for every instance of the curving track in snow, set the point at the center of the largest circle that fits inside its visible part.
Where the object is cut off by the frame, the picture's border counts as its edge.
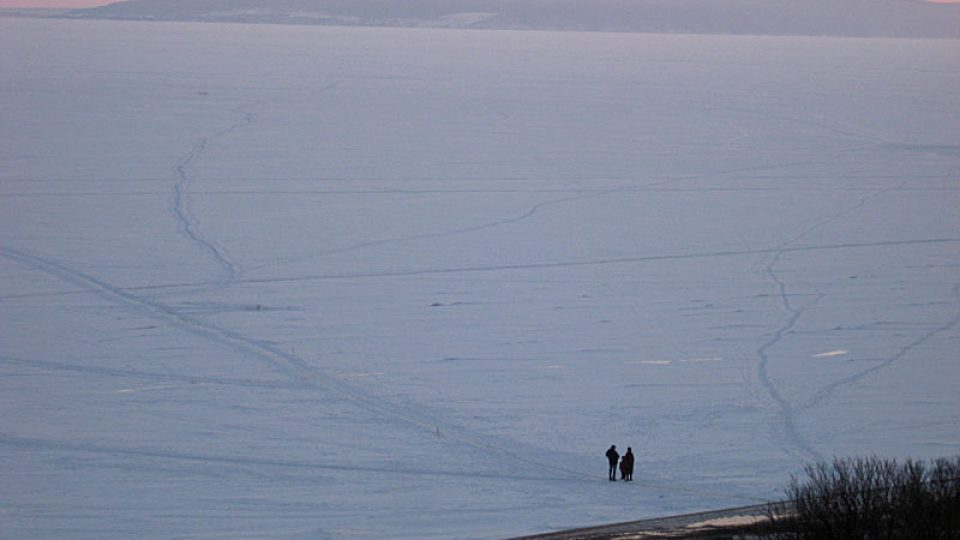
(187, 222)
(787, 411)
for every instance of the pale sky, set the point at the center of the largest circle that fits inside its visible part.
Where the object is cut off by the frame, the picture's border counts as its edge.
(90, 3)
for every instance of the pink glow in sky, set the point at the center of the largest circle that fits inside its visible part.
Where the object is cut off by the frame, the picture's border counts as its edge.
(91, 3)
(53, 3)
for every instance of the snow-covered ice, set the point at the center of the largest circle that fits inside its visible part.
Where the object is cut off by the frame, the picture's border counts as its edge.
(262, 281)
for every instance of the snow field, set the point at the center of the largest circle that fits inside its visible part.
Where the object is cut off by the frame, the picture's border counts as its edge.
(348, 283)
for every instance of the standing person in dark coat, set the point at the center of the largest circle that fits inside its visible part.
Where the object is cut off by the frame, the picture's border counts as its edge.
(613, 458)
(626, 463)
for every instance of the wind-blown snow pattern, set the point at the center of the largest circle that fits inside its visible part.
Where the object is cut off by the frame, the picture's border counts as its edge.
(310, 282)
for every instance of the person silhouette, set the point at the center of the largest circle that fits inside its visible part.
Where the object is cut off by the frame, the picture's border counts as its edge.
(626, 464)
(612, 458)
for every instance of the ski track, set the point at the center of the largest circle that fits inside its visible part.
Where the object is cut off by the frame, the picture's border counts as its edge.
(559, 264)
(786, 410)
(530, 212)
(309, 378)
(295, 368)
(581, 195)
(303, 377)
(827, 391)
(241, 192)
(28, 443)
(153, 376)
(186, 222)
(570, 264)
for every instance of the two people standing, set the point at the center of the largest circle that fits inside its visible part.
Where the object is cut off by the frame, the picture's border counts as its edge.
(625, 464)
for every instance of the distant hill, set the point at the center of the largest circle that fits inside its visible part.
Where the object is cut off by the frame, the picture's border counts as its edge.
(887, 18)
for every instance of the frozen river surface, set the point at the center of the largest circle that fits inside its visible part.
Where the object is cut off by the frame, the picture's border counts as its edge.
(301, 282)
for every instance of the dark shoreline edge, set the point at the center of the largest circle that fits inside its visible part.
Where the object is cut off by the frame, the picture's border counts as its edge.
(662, 527)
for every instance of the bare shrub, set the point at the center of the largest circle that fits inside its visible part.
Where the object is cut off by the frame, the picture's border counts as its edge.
(871, 499)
